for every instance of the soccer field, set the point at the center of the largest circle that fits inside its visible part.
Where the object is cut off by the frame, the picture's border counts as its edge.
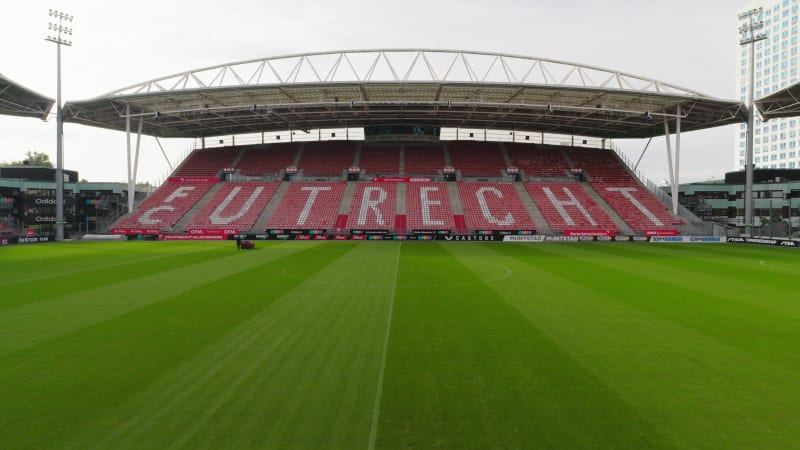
(360, 345)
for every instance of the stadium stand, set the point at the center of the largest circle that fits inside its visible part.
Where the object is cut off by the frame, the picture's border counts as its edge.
(567, 206)
(373, 207)
(269, 160)
(477, 159)
(538, 160)
(428, 207)
(308, 205)
(602, 165)
(423, 159)
(208, 162)
(493, 206)
(380, 159)
(486, 205)
(326, 159)
(637, 206)
(166, 206)
(236, 205)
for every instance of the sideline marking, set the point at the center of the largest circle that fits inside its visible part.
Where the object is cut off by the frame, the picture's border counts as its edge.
(373, 431)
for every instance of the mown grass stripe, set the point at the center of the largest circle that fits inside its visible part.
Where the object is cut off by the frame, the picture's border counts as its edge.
(698, 390)
(56, 388)
(298, 374)
(708, 304)
(93, 271)
(32, 323)
(466, 370)
(376, 409)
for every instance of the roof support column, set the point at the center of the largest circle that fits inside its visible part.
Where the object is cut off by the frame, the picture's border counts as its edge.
(138, 145)
(677, 183)
(131, 191)
(672, 185)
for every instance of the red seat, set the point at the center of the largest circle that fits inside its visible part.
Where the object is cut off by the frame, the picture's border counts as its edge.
(637, 206)
(477, 159)
(165, 207)
(493, 206)
(373, 207)
(269, 160)
(538, 160)
(602, 165)
(567, 206)
(422, 159)
(380, 159)
(428, 207)
(207, 162)
(236, 205)
(327, 159)
(308, 206)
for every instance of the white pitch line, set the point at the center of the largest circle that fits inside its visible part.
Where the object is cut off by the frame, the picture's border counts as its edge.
(373, 431)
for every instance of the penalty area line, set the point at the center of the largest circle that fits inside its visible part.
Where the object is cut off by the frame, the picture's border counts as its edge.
(376, 408)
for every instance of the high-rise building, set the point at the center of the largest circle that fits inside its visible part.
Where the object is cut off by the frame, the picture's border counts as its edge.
(777, 142)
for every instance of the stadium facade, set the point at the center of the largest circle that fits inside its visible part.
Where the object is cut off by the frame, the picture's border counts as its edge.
(28, 202)
(777, 141)
(776, 200)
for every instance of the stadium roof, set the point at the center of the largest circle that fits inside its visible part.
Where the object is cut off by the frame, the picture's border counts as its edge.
(448, 88)
(782, 103)
(17, 100)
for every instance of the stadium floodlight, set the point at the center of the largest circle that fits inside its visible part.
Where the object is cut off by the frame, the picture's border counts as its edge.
(59, 30)
(750, 33)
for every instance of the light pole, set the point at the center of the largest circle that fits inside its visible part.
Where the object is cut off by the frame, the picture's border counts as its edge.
(59, 30)
(748, 35)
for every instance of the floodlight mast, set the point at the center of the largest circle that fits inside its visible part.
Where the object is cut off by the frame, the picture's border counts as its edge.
(59, 30)
(749, 35)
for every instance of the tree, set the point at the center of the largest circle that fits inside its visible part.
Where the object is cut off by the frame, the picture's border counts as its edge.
(33, 158)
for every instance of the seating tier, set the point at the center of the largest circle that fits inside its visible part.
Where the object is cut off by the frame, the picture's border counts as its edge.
(373, 207)
(236, 205)
(477, 159)
(538, 161)
(567, 206)
(493, 206)
(380, 159)
(637, 206)
(165, 207)
(328, 159)
(308, 205)
(428, 207)
(267, 161)
(602, 165)
(208, 162)
(423, 159)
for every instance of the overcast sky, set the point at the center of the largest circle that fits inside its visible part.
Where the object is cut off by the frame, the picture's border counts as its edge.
(688, 43)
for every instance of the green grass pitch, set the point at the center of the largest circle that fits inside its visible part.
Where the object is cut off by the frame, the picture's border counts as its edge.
(348, 345)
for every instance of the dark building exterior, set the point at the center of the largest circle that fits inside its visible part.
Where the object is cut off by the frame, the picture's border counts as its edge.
(28, 202)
